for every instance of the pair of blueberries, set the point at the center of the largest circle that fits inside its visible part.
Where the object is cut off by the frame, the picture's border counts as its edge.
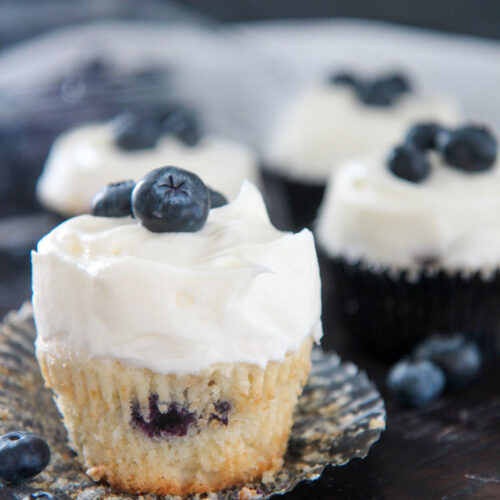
(469, 148)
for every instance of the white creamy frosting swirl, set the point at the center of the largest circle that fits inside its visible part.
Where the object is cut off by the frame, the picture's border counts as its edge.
(84, 160)
(451, 220)
(239, 290)
(328, 125)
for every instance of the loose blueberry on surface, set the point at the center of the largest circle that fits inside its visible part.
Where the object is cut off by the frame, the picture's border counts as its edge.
(343, 78)
(470, 148)
(170, 199)
(6, 494)
(416, 383)
(114, 200)
(459, 357)
(22, 455)
(217, 199)
(181, 123)
(424, 135)
(135, 131)
(409, 163)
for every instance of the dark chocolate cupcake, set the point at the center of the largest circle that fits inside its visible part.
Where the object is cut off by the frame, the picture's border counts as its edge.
(332, 122)
(410, 243)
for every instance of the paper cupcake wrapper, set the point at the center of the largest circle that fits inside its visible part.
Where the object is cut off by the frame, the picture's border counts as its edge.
(292, 205)
(339, 416)
(388, 311)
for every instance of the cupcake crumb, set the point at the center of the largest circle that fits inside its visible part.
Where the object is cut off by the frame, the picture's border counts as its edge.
(97, 473)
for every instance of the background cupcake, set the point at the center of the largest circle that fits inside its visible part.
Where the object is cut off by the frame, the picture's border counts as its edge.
(343, 117)
(177, 357)
(85, 159)
(410, 241)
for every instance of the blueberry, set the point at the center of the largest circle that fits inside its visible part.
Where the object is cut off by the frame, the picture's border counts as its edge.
(383, 90)
(175, 421)
(217, 199)
(135, 131)
(170, 199)
(114, 200)
(409, 163)
(424, 135)
(459, 357)
(470, 148)
(22, 455)
(397, 83)
(6, 494)
(343, 78)
(181, 123)
(416, 383)
(39, 495)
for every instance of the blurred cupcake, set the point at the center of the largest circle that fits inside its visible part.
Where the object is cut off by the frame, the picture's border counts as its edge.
(410, 241)
(334, 121)
(177, 358)
(84, 159)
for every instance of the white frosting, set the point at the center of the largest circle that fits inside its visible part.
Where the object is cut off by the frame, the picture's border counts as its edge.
(84, 160)
(370, 214)
(328, 125)
(239, 290)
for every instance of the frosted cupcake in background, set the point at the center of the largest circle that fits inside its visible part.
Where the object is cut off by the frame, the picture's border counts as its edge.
(410, 241)
(176, 342)
(334, 121)
(84, 159)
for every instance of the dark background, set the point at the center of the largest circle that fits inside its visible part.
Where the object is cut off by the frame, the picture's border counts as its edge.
(474, 17)
(21, 19)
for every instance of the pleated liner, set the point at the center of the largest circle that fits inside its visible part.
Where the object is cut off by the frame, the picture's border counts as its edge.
(245, 439)
(388, 312)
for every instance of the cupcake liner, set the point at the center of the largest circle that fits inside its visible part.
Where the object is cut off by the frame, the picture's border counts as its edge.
(388, 311)
(339, 416)
(139, 431)
(292, 205)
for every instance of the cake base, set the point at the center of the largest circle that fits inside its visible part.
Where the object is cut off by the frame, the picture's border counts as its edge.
(143, 432)
(292, 205)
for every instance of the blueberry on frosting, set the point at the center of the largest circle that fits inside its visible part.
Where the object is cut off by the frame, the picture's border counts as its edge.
(380, 91)
(343, 78)
(114, 200)
(470, 148)
(424, 135)
(170, 199)
(134, 131)
(217, 199)
(409, 163)
(181, 122)
(141, 130)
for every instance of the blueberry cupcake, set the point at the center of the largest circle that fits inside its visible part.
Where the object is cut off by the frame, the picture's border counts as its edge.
(86, 158)
(410, 241)
(334, 121)
(177, 341)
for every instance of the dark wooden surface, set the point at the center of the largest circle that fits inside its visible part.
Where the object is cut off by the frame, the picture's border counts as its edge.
(450, 450)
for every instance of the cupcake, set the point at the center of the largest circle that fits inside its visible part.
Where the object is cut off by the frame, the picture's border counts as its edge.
(176, 342)
(410, 241)
(334, 121)
(86, 158)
